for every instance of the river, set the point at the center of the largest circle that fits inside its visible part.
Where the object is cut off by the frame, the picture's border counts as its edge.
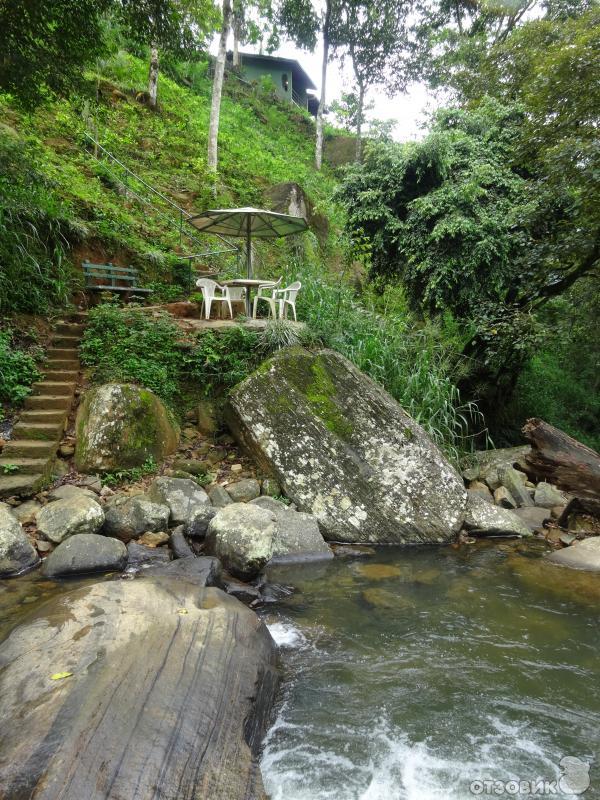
(422, 674)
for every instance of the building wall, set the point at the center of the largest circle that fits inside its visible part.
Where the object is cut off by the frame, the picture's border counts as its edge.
(254, 72)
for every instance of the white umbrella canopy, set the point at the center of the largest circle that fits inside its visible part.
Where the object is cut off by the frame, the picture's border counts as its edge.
(248, 222)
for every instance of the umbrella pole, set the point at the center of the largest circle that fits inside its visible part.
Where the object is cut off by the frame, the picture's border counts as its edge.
(248, 261)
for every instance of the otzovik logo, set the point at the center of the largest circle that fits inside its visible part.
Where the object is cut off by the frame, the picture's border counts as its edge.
(574, 780)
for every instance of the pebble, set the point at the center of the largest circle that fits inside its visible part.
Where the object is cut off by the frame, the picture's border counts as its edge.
(153, 539)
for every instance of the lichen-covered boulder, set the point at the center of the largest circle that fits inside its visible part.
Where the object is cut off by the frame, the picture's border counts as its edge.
(16, 551)
(129, 517)
(345, 451)
(167, 694)
(120, 426)
(64, 518)
(181, 495)
(242, 537)
(484, 518)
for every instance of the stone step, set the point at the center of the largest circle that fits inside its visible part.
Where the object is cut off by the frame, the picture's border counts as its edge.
(29, 448)
(68, 353)
(26, 466)
(43, 415)
(48, 431)
(61, 375)
(20, 484)
(62, 363)
(64, 389)
(60, 340)
(69, 329)
(49, 402)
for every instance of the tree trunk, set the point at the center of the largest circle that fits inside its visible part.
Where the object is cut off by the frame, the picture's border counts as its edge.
(321, 108)
(359, 119)
(562, 460)
(237, 31)
(215, 108)
(153, 77)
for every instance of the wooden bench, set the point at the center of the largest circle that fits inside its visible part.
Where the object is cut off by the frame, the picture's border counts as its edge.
(110, 278)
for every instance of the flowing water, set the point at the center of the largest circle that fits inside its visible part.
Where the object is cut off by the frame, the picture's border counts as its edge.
(416, 674)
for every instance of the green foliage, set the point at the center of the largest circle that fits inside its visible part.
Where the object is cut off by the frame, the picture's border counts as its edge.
(130, 346)
(9, 469)
(220, 360)
(46, 43)
(121, 476)
(35, 231)
(18, 368)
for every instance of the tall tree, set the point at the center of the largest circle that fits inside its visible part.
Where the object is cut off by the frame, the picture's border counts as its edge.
(376, 39)
(176, 27)
(46, 44)
(217, 89)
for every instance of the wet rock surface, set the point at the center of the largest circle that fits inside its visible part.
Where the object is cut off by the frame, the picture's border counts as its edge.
(167, 692)
(85, 553)
(17, 554)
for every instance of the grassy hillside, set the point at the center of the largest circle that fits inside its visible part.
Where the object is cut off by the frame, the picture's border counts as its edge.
(55, 191)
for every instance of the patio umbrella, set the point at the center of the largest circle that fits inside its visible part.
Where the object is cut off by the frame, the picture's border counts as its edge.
(248, 223)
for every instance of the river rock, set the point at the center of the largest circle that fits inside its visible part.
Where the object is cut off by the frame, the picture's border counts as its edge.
(219, 497)
(201, 571)
(243, 491)
(85, 553)
(484, 518)
(533, 517)
(242, 535)
(298, 538)
(26, 512)
(139, 555)
(68, 490)
(479, 488)
(199, 520)
(169, 696)
(345, 451)
(181, 495)
(270, 487)
(128, 517)
(17, 554)
(63, 518)
(270, 503)
(548, 496)
(514, 481)
(580, 555)
(120, 426)
(178, 544)
(502, 497)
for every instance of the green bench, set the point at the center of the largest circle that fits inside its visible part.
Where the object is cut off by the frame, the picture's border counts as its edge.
(111, 278)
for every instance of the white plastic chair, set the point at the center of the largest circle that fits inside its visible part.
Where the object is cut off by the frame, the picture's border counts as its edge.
(288, 298)
(236, 294)
(267, 293)
(209, 289)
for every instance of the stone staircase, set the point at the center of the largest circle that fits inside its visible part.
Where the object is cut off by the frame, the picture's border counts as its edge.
(27, 458)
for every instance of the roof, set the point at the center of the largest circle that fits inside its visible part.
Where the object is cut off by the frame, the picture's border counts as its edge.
(291, 63)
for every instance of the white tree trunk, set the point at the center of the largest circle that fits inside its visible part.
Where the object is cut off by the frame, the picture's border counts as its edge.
(321, 108)
(215, 108)
(359, 120)
(153, 77)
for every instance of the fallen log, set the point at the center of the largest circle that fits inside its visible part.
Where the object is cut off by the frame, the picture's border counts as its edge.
(562, 460)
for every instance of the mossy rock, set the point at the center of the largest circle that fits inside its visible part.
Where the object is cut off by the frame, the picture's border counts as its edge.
(120, 426)
(344, 450)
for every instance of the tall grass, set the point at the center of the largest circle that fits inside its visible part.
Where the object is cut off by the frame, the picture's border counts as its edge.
(419, 364)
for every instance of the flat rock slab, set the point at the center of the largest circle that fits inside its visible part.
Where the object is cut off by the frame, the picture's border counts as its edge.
(201, 570)
(169, 697)
(580, 555)
(345, 451)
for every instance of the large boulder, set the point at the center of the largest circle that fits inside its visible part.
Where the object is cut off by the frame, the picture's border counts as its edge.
(345, 451)
(580, 555)
(241, 535)
(16, 551)
(181, 495)
(121, 426)
(85, 553)
(128, 517)
(168, 695)
(63, 518)
(297, 535)
(484, 518)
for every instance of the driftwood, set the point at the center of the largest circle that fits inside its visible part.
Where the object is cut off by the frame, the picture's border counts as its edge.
(562, 460)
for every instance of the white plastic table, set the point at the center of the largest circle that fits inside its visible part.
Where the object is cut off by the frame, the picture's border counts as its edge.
(249, 284)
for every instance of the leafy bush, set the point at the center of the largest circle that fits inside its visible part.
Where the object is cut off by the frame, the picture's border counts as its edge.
(220, 360)
(18, 369)
(129, 345)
